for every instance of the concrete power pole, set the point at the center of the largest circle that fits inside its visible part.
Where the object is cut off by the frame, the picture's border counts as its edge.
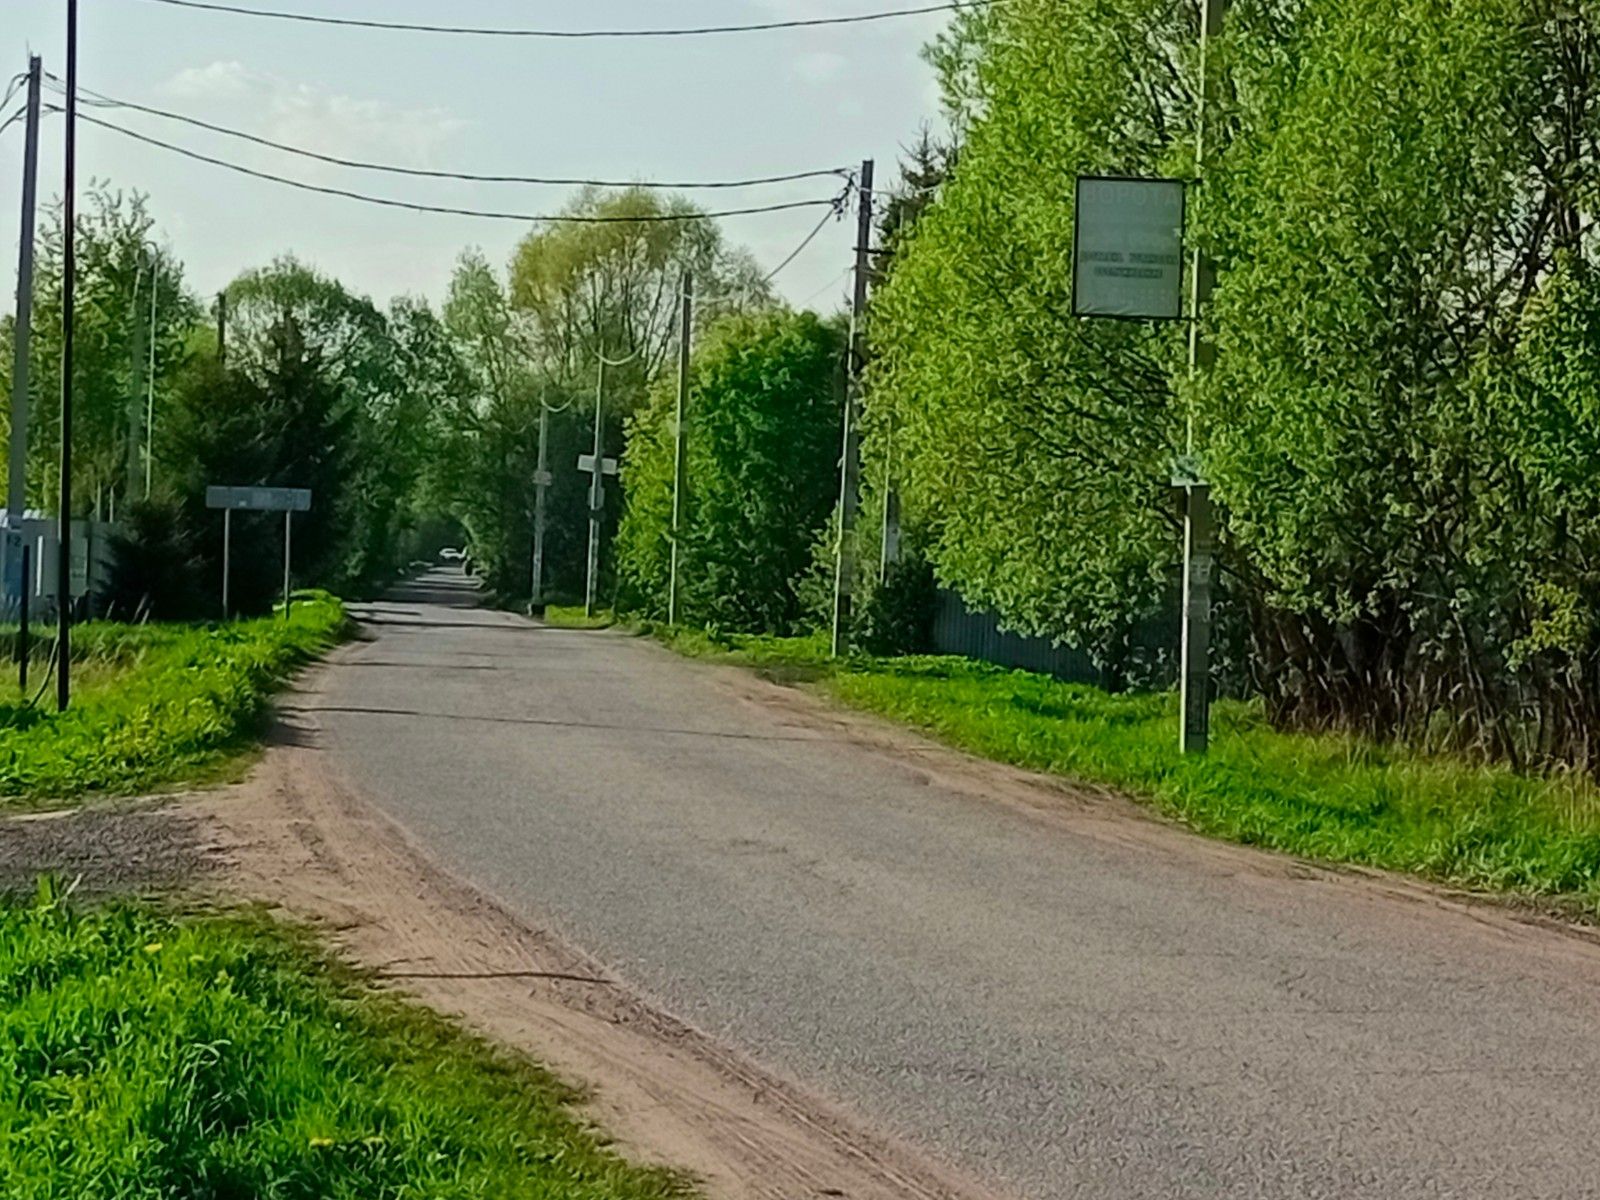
(850, 460)
(17, 480)
(1199, 549)
(541, 482)
(680, 437)
(69, 265)
(150, 385)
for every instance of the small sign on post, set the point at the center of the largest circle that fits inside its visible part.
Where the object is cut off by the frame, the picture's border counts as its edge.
(1127, 256)
(288, 501)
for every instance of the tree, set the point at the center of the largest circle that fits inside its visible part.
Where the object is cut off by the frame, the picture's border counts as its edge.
(1036, 449)
(118, 267)
(763, 430)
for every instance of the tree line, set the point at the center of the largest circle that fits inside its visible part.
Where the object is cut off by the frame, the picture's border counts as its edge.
(1399, 426)
(1400, 423)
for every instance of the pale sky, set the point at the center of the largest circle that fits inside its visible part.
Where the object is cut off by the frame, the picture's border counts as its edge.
(694, 108)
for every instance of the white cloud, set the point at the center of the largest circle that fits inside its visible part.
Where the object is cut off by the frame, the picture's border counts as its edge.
(819, 67)
(316, 118)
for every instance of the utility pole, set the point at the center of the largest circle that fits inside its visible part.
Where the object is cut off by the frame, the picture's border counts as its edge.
(597, 493)
(889, 533)
(69, 220)
(222, 327)
(1194, 734)
(680, 436)
(541, 480)
(150, 383)
(850, 460)
(17, 480)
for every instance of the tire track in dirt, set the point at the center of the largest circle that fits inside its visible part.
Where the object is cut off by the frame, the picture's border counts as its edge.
(303, 841)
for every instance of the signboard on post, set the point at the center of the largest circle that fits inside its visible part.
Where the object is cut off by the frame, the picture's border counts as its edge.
(1127, 254)
(288, 501)
(259, 499)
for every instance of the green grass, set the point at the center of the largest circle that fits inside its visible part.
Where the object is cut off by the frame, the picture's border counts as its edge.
(1334, 798)
(153, 705)
(564, 616)
(146, 1056)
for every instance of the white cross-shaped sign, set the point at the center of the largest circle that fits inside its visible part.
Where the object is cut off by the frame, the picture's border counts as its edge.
(597, 487)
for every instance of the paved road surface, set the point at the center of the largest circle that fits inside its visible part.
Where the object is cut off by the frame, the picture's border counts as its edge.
(1075, 1007)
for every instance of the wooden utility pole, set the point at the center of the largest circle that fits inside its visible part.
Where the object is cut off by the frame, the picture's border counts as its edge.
(13, 547)
(69, 222)
(680, 441)
(850, 459)
(1199, 550)
(222, 327)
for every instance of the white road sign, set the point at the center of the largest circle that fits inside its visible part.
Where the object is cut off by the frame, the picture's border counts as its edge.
(259, 499)
(1127, 258)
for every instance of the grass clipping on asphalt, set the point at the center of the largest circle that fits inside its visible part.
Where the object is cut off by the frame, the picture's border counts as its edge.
(1335, 798)
(146, 1055)
(153, 705)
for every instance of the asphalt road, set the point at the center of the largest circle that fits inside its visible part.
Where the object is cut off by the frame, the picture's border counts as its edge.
(1076, 1005)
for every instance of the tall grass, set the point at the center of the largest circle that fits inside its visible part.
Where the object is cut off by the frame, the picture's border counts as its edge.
(221, 1057)
(153, 705)
(1335, 798)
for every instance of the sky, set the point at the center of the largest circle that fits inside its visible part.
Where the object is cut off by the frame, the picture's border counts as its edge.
(670, 108)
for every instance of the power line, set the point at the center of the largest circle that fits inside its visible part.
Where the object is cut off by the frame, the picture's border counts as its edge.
(447, 210)
(483, 31)
(465, 176)
(833, 214)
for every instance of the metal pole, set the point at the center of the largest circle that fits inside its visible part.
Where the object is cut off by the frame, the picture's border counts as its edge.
(596, 494)
(288, 542)
(889, 531)
(69, 221)
(1194, 731)
(17, 480)
(680, 436)
(850, 460)
(23, 635)
(227, 549)
(541, 481)
(150, 383)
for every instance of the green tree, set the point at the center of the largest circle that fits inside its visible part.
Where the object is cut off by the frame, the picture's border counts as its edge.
(119, 267)
(763, 433)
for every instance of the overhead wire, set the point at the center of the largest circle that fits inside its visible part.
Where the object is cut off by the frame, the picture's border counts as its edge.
(832, 214)
(451, 210)
(100, 100)
(488, 31)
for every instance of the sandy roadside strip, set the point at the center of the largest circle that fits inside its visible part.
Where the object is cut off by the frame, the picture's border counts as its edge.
(297, 838)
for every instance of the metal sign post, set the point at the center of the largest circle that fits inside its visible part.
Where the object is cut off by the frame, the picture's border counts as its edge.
(288, 501)
(1127, 264)
(597, 509)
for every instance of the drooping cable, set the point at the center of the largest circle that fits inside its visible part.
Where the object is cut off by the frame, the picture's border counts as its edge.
(487, 31)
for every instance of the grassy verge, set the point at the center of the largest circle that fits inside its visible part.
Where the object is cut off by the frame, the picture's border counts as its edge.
(153, 705)
(143, 1055)
(563, 616)
(1338, 799)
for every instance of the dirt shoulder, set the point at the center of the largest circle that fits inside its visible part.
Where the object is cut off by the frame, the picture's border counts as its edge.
(299, 839)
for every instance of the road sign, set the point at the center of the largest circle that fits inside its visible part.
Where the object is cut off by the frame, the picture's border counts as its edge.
(586, 463)
(230, 500)
(1127, 255)
(259, 499)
